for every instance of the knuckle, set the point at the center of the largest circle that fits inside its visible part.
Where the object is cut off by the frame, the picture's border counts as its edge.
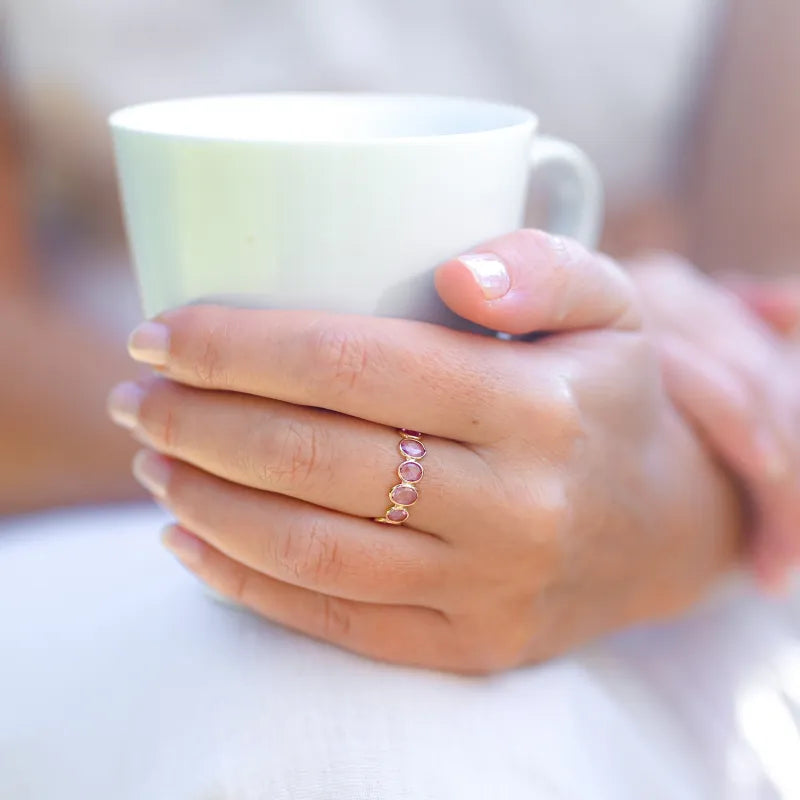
(311, 554)
(210, 366)
(342, 357)
(492, 647)
(181, 491)
(336, 618)
(292, 457)
(561, 254)
(239, 586)
(551, 418)
(550, 515)
(509, 651)
(563, 412)
(400, 575)
(534, 241)
(158, 414)
(167, 429)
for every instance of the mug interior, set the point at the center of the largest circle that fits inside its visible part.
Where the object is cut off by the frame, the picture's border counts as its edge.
(320, 117)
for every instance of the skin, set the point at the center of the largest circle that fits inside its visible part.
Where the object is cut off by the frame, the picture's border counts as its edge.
(593, 453)
(555, 470)
(725, 367)
(56, 448)
(64, 452)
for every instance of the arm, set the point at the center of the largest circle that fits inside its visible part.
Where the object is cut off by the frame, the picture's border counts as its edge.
(55, 446)
(15, 246)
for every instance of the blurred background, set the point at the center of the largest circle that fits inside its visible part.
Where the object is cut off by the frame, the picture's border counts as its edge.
(689, 107)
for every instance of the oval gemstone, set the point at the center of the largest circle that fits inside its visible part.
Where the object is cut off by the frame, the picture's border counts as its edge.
(409, 432)
(404, 495)
(412, 448)
(410, 471)
(397, 515)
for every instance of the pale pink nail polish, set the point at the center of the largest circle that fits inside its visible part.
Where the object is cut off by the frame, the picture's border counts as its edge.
(152, 471)
(489, 272)
(123, 404)
(149, 344)
(184, 545)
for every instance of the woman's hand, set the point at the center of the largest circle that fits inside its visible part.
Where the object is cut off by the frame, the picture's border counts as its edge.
(563, 495)
(737, 379)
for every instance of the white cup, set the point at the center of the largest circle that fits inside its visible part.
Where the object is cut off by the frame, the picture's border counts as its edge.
(333, 202)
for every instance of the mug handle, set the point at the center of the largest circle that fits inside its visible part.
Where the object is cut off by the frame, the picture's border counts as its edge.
(573, 189)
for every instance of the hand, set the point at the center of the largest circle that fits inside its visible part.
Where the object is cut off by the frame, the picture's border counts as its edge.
(735, 379)
(776, 302)
(563, 495)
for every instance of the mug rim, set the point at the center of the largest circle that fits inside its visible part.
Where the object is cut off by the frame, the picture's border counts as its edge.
(137, 119)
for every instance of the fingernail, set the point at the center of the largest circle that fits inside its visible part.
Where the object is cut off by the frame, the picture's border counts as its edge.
(490, 274)
(773, 460)
(149, 343)
(152, 471)
(182, 544)
(123, 404)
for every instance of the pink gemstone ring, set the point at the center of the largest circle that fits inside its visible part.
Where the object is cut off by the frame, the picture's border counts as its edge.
(410, 472)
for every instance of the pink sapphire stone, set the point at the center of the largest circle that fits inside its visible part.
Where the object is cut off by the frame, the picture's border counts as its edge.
(397, 515)
(409, 432)
(404, 495)
(410, 471)
(412, 448)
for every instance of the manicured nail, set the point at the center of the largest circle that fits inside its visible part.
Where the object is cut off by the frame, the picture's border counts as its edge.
(182, 544)
(149, 343)
(490, 274)
(773, 460)
(152, 471)
(123, 404)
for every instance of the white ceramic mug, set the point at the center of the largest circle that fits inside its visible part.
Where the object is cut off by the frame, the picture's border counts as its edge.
(332, 202)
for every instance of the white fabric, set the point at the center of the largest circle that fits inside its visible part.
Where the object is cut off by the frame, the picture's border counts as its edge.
(120, 679)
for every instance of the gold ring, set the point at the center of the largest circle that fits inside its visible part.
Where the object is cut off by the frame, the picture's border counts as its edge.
(404, 494)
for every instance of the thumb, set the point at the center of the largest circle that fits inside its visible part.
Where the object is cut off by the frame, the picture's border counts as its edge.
(530, 281)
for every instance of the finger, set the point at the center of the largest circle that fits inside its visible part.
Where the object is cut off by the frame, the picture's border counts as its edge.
(530, 281)
(330, 460)
(298, 543)
(776, 302)
(682, 300)
(396, 373)
(719, 402)
(399, 634)
(732, 420)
